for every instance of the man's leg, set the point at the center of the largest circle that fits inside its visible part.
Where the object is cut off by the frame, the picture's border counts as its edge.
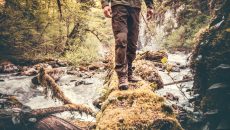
(133, 31)
(120, 29)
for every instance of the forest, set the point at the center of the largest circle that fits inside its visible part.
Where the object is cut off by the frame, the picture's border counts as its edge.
(58, 66)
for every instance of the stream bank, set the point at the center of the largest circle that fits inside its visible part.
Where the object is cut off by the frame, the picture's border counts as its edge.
(83, 85)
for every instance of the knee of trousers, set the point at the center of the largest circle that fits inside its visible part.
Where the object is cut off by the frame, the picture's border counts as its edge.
(121, 40)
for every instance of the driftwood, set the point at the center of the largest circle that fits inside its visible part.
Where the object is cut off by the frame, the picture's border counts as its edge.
(54, 123)
(180, 81)
(16, 116)
(68, 107)
(49, 83)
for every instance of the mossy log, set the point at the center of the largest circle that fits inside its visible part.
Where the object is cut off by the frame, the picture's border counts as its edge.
(49, 83)
(136, 108)
(147, 71)
(154, 56)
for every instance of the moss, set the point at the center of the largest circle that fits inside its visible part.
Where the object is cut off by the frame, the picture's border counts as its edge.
(136, 108)
(147, 71)
(211, 52)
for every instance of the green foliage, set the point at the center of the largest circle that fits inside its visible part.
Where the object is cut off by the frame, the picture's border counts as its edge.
(190, 16)
(85, 53)
(183, 36)
(35, 29)
(176, 38)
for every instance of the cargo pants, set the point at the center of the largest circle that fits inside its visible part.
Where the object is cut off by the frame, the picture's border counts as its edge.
(125, 24)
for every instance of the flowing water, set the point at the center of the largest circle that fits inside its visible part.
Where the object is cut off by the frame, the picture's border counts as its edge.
(153, 42)
(28, 94)
(180, 90)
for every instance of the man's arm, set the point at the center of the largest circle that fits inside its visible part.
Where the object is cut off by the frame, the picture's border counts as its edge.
(105, 3)
(106, 7)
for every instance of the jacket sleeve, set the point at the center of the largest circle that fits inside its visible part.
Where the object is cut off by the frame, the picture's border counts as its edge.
(149, 3)
(105, 3)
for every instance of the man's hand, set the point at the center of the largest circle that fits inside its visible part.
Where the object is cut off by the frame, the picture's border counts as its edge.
(149, 13)
(108, 11)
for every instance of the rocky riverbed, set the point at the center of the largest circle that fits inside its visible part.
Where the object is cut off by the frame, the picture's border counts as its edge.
(83, 85)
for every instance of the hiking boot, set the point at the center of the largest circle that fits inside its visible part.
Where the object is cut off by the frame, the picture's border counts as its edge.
(132, 78)
(123, 83)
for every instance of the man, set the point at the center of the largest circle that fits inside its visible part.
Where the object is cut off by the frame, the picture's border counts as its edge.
(125, 23)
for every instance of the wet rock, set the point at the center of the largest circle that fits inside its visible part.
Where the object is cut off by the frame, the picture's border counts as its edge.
(222, 67)
(224, 125)
(28, 72)
(98, 103)
(194, 98)
(8, 67)
(55, 63)
(35, 81)
(186, 104)
(211, 113)
(189, 90)
(183, 66)
(157, 64)
(93, 67)
(72, 72)
(222, 72)
(175, 69)
(82, 83)
(79, 83)
(87, 83)
(175, 106)
(218, 87)
(178, 64)
(62, 63)
(82, 68)
(88, 75)
(73, 80)
(171, 97)
(172, 68)
(167, 108)
(206, 126)
(186, 77)
(42, 65)
(75, 72)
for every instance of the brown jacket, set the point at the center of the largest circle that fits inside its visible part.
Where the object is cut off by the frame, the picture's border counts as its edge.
(131, 3)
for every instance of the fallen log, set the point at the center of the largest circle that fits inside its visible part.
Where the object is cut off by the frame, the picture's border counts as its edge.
(49, 83)
(16, 116)
(136, 108)
(180, 81)
(54, 123)
(68, 107)
(147, 71)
